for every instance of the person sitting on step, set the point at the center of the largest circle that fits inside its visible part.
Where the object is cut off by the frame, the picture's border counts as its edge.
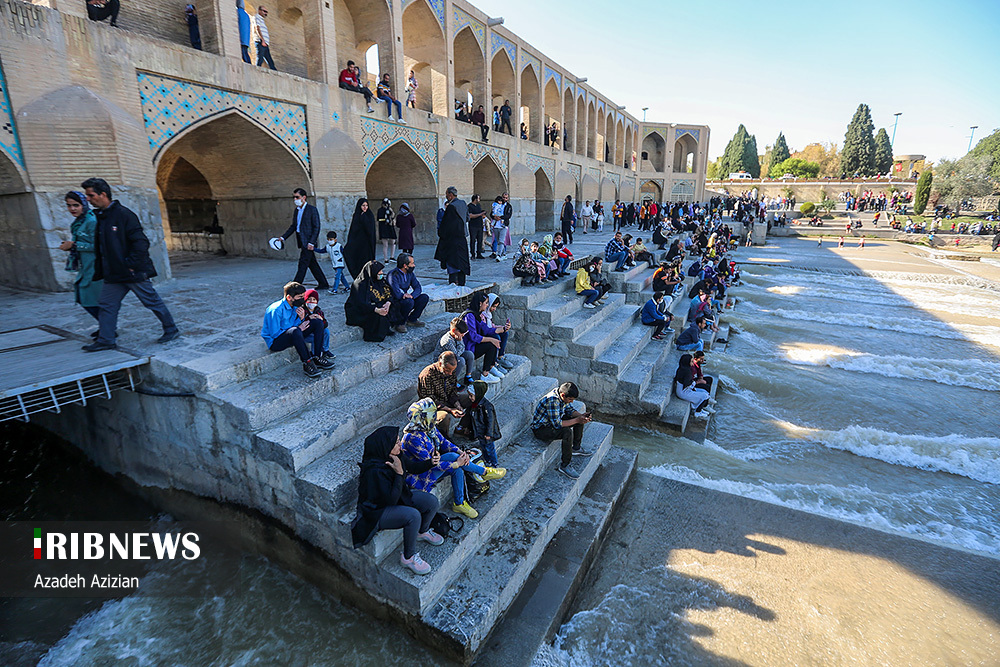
(480, 422)
(369, 303)
(690, 338)
(701, 380)
(564, 256)
(438, 383)
(616, 252)
(586, 289)
(286, 325)
(500, 332)
(481, 339)
(556, 419)
(685, 388)
(641, 254)
(386, 502)
(454, 341)
(408, 298)
(422, 441)
(313, 311)
(541, 261)
(654, 314)
(597, 281)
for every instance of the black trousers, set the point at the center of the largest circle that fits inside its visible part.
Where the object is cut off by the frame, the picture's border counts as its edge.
(567, 231)
(307, 260)
(297, 339)
(457, 279)
(484, 130)
(488, 351)
(476, 238)
(359, 89)
(571, 437)
(505, 122)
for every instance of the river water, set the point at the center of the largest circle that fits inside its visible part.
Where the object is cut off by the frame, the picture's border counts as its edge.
(871, 399)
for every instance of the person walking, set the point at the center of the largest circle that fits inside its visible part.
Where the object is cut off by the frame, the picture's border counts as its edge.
(305, 225)
(386, 218)
(566, 218)
(121, 260)
(263, 39)
(87, 291)
(411, 90)
(452, 249)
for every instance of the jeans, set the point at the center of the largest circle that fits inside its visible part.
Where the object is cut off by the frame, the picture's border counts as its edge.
(338, 279)
(413, 520)
(503, 343)
(620, 257)
(590, 295)
(466, 361)
(245, 49)
(563, 263)
(488, 447)
(264, 53)
(699, 346)
(111, 302)
(457, 476)
(297, 339)
(409, 310)
(571, 437)
(499, 247)
(388, 106)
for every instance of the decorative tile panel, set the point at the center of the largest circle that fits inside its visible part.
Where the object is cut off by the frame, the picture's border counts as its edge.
(615, 178)
(655, 181)
(680, 132)
(9, 140)
(170, 105)
(682, 189)
(528, 59)
(475, 151)
(655, 130)
(498, 41)
(379, 135)
(462, 19)
(576, 170)
(552, 74)
(594, 173)
(628, 185)
(546, 164)
(570, 85)
(437, 6)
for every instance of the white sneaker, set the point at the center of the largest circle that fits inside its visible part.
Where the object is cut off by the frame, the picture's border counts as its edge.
(431, 537)
(417, 564)
(504, 364)
(589, 305)
(370, 110)
(497, 372)
(402, 121)
(712, 401)
(489, 378)
(498, 258)
(701, 415)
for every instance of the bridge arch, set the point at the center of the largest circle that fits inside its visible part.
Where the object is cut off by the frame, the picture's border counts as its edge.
(401, 175)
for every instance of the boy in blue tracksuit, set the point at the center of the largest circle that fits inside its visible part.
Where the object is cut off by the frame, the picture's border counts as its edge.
(286, 324)
(654, 314)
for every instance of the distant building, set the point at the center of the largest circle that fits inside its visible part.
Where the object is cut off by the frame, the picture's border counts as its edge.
(908, 166)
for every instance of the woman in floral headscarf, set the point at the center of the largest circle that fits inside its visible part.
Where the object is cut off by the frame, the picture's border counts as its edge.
(422, 441)
(81, 249)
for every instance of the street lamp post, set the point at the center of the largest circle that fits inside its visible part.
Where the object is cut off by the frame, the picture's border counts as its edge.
(892, 144)
(973, 128)
(644, 110)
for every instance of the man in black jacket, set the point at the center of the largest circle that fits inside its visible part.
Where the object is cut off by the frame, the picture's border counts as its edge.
(305, 225)
(124, 264)
(566, 217)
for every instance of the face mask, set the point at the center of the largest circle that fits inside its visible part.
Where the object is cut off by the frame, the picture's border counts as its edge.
(299, 203)
(298, 302)
(312, 306)
(380, 276)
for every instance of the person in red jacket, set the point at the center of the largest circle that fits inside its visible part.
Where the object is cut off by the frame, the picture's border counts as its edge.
(349, 81)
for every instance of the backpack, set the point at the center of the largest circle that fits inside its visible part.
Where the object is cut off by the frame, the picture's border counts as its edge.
(475, 486)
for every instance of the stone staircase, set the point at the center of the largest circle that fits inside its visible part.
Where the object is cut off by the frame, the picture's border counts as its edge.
(303, 442)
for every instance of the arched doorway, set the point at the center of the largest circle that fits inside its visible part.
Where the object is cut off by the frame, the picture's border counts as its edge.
(592, 125)
(530, 109)
(568, 137)
(553, 110)
(685, 155)
(653, 150)
(629, 150)
(682, 191)
(470, 70)
(651, 190)
(25, 260)
(609, 139)
(248, 182)
(487, 180)
(425, 54)
(620, 155)
(362, 24)
(581, 126)
(503, 84)
(545, 217)
(399, 174)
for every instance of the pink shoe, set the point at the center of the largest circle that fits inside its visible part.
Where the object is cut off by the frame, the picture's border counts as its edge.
(432, 537)
(416, 564)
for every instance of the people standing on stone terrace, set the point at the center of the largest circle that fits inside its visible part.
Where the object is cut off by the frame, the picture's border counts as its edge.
(405, 223)
(360, 246)
(386, 502)
(505, 113)
(386, 218)
(87, 291)
(336, 253)
(384, 90)
(369, 302)
(477, 218)
(191, 20)
(556, 419)
(286, 325)
(452, 248)
(408, 299)
(567, 217)
(500, 230)
(349, 80)
(411, 90)
(305, 226)
(121, 260)
(98, 10)
(263, 38)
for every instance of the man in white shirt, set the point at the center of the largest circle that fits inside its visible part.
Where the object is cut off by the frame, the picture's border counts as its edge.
(263, 38)
(586, 214)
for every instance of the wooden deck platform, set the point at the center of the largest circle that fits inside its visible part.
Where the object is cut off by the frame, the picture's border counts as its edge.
(43, 368)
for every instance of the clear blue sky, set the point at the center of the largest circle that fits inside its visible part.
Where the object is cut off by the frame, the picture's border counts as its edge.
(797, 67)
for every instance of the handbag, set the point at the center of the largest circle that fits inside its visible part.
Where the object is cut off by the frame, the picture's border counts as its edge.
(73, 261)
(443, 525)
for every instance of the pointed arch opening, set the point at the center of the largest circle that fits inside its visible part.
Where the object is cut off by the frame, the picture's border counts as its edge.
(620, 145)
(361, 26)
(592, 121)
(629, 162)
(545, 217)
(601, 148)
(581, 126)
(653, 152)
(502, 73)
(399, 174)
(569, 122)
(247, 183)
(685, 154)
(25, 260)
(651, 190)
(530, 108)
(470, 70)
(487, 180)
(296, 38)
(424, 54)
(554, 111)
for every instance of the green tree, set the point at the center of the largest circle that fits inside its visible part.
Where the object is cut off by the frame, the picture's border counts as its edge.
(990, 146)
(962, 179)
(883, 152)
(712, 173)
(751, 160)
(796, 167)
(858, 155)
(780, 152)
(736, 156)
(923, 192)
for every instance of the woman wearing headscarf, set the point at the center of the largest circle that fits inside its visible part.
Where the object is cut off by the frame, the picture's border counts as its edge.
(685, 388)
(406, 224)
(453, 247)
(422, 442)
(368, 304)
(387, 230)
(81, 248)
(360, 246)
(385, 502)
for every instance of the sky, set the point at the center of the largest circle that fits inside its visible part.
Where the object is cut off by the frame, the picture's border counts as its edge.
(801, 68)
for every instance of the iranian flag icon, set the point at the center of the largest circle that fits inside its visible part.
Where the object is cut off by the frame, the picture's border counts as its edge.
(38, 543)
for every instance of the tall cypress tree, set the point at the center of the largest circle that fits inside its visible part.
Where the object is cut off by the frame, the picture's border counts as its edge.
(858, 155)
(737, 151)
(751, 161)
(780, 152)
(883, 152)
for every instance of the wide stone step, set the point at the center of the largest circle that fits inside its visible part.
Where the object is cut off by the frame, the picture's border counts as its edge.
(527, 298)
(540, 318)
(622, 351)
(619, 279)
(678, 412)
(593, 343)
(576, 324)
(539, 609)
(486, 585)
(640, 372)
(256, 402)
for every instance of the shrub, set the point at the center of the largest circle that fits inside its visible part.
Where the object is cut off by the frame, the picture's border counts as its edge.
(827, 205)
(807, 208)
(923, 192)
